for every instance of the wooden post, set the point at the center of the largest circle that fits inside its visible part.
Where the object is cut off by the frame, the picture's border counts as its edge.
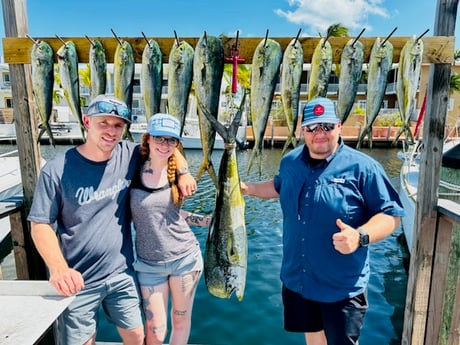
(15, 21)
(421, 264)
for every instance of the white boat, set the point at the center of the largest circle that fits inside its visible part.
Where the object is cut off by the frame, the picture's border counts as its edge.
(409, 175)
(10, 176)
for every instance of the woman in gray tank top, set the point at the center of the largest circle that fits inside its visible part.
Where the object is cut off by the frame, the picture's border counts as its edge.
(168, 258)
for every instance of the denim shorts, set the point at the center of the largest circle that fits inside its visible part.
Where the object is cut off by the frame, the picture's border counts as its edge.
(119, 298)
(151, 274)
(342, 321)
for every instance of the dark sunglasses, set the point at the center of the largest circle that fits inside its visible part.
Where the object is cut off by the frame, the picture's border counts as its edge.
(103, 107)
(325, 127)
(170, 141)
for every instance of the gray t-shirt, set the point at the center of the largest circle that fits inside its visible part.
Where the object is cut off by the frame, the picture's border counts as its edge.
(88, 203)
(162, 235)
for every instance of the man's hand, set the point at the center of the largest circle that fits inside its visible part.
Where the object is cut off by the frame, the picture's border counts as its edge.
(346, 241)
(67, 281)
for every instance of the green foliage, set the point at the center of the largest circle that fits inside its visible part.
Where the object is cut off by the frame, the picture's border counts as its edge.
(390, 119)
(359, 111)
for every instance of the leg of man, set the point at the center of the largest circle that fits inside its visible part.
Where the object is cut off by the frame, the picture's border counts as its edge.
(343, 320)
(122, 306)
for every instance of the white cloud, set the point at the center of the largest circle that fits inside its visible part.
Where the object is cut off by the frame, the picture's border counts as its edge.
(319, 15)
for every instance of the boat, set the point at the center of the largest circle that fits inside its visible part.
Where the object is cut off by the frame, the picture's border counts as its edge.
(449, 185)
(10, 176)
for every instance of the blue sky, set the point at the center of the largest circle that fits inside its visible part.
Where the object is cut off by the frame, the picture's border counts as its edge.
(189, 18)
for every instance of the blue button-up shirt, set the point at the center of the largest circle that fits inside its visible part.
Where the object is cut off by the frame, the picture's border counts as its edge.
(348, 185)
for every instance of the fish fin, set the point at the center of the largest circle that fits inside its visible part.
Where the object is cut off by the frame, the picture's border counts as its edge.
(255, 156)
(206, 165)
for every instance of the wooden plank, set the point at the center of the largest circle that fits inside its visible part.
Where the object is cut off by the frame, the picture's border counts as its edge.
(439, 280)
(28, 310)
(454, 334)
(17, 50)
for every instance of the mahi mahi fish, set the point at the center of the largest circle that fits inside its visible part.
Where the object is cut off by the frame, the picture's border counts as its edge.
(409, 68)
(208, 69)
(180, 76)
(123, 77)
(151, 78)
(226, 253)
(265, 68)
(351, 66)
(98, 68)
(42, 61)
(380, 62)
(291, 73)
(68, 72)
(321, 66)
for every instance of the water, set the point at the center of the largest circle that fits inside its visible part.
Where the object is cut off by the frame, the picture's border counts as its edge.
(258, 318)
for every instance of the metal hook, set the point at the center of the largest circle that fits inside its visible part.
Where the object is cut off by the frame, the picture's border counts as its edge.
(116, 37)
(266, 38)
(146, 39)
(297, 37)
(60, 39)
(423, 34)
(177, 38)
(89, 39)
(35, 41)
(357, 37)
(386, 39)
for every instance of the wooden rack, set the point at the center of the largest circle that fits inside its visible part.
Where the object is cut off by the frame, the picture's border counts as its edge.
(437, 49)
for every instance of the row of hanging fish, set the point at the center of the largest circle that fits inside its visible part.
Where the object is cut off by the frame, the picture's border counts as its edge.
(187, 65)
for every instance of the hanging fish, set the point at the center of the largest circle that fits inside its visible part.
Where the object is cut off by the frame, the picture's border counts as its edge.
(409, 69)
(226, 253)
(123, 77)
(68, 73)
(351, 66)
(42, 61)
(321, 66)
(208, 69)
(180, 76)
(291, 73)
(151, 78)
(98, 68)
(264, 73)
(380, 62)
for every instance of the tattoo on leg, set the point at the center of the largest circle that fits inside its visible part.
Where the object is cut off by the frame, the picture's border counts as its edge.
(180, 312)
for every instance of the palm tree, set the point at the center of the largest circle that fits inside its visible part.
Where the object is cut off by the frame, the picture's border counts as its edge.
(337, 30)
(456, 55)
(454, 83)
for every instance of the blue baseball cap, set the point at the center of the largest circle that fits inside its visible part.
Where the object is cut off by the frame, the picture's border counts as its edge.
(319, 110)
(104, 105)
(164, 124)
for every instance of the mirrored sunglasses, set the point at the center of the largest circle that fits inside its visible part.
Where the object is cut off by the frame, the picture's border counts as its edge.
(325, 127)
(103, 107)
(170, 141)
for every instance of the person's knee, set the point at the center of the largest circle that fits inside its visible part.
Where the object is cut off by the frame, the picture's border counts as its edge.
(133, 336)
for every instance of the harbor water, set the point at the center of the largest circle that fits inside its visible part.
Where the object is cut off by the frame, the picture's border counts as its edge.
(258, 318)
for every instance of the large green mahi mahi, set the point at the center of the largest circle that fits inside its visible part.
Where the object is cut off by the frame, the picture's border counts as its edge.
(226, 253)
(42, 61)
(265, 68)
(208, 69)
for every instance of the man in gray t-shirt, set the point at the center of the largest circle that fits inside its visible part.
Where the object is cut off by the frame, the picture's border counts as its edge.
(80, 223)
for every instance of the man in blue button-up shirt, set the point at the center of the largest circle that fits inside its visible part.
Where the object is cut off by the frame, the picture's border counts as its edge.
(335, 201)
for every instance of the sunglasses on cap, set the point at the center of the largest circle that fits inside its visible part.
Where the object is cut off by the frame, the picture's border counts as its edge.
(170, 141)
(325, 127)
(104, 107)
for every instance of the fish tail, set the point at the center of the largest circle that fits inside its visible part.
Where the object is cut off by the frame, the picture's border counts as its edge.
(290, 140)
(206, 165)
(255, 156)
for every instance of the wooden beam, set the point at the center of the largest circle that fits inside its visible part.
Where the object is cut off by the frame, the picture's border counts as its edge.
(17, 50)
(417, 315)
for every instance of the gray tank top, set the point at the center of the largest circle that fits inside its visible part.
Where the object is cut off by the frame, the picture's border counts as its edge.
(161, 234)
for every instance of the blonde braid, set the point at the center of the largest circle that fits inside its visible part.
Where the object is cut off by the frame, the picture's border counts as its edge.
(172, 178)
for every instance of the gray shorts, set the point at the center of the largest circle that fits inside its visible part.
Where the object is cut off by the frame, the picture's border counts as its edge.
(150, 274)
(119, 297)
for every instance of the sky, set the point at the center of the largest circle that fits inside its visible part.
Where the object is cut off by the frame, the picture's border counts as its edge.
(251, 18)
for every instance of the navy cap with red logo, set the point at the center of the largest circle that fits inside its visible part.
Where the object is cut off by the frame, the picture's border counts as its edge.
(319, 110)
